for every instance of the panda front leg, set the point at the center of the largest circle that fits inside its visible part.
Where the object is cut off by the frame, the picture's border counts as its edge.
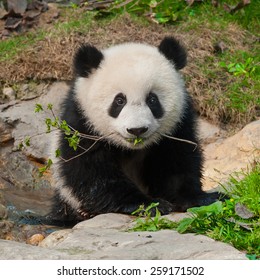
(118, 195)
(93, 185)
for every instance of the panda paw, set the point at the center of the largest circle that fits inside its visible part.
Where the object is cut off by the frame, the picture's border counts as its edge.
(84, 214)
(164, 207)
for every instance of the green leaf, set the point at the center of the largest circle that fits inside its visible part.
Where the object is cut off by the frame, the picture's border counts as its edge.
(46, 167)
(74, 140)
(138, 140)
(27, 141)
(214, 208)
(57, 153)
(184, 224)
(222, 64)
(48, 123)
(151, 206)
(38, 108)
(20, 146)
(49, 106)
(64, 126)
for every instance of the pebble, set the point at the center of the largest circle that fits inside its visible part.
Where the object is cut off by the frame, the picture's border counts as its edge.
(35, 239)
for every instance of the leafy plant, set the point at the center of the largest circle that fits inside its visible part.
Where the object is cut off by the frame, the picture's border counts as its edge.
(247, 68)
(53, 123)
(145, 221)
(235, 221)
(159, 11)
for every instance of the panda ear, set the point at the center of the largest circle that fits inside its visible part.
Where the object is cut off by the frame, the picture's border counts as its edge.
(86, 58)
(173, 51)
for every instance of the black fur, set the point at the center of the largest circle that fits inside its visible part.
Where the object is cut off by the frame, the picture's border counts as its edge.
(110, 179)
(173, 51)
(155, 106)
(86, 59)
(117, 105)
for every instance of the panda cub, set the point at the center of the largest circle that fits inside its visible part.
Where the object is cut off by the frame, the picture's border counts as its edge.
(130, 104)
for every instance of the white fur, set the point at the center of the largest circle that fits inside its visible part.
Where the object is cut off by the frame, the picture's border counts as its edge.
(59, 183)
(134, 70)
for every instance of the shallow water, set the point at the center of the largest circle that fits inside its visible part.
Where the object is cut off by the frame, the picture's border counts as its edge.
(24, 209)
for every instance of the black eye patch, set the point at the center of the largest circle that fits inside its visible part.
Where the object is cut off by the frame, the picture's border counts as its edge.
(154, 104)
(117, 105)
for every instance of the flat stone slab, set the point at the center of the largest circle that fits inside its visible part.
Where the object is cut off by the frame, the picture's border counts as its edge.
(106, 237)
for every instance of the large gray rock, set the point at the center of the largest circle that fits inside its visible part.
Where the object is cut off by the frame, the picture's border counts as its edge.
(106, 237)
(25, 122)
(18, 121)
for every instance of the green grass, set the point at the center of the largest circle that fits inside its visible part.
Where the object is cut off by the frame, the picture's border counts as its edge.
(242, 92)
(177, 11)
(235, 77)
(235, 221)
(13, 46)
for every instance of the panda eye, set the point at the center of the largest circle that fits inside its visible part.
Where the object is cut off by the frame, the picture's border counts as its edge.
(155, 106)
(152, 99)
(120, 99)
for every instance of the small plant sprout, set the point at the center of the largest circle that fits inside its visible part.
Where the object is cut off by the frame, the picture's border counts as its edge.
(53, 123)
(74, 137)
(43, 169)
(136, 141)
(145, 221)
(241, 69)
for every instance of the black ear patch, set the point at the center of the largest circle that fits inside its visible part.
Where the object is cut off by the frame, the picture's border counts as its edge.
(173, 51)
(86, 58)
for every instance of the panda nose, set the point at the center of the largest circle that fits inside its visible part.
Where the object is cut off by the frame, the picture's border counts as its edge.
(137, 131)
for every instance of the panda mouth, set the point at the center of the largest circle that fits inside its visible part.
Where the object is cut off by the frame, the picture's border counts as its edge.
(137, 141)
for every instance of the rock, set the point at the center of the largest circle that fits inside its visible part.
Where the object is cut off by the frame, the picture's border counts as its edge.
(18, 6)
(5, 133)
(92, 239)
(9, 93)
(5, 228)
(230, 155)
(208, 132)
(35, 239)
(56, 237)
(29, 124)
(19, 171)
(11, 250)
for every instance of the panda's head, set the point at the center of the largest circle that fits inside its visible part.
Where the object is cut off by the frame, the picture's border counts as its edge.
(131, 93)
